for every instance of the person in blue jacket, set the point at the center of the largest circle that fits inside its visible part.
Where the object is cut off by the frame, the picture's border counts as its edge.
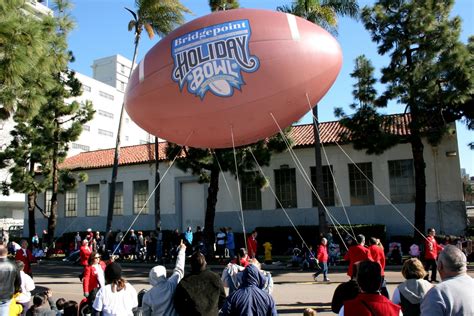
(249, 299)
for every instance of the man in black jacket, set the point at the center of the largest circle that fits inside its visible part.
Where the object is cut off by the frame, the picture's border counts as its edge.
(201, 292)
(10, 280)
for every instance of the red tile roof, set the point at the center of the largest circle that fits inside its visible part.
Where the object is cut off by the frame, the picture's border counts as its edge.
(302, 136)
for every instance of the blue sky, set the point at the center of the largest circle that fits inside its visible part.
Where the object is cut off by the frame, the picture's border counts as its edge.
(101, 30)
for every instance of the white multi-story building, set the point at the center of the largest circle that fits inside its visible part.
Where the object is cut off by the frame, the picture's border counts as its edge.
(106, 92)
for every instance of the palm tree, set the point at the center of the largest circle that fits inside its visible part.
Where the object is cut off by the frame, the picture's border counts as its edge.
(323, 13)
(155, 17)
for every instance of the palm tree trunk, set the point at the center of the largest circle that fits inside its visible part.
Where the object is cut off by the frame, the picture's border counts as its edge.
(323, 225)
(113, 181)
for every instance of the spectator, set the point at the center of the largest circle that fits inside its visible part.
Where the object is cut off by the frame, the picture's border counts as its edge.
(378, 255)
(35, 241)
(70, 308)
(357, 253)
(40, 308)
(93, 278)
(221, 239)
(252, 244)
(84, 253)
(243, 258)
(25, 255)
(410, 293)
(454, 295)
(10, 279)
(117, 297)
(231, 277)
(77, 241)
(431, 253)
(159, 299)
(188, 237)
(133, 242)
(322, 257)
(201, 292)
(309, 312)
(60, 306)
(345, 291)
(230, 244)
(249, 299)
(369, 301)
(414, 251)
(27, 285)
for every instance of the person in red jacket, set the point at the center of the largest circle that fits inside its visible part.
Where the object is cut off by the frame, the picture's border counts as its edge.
(252, 244)
(369, 302)
(432, 249)
(84, 253)
(378, 255)
(24, 255)
(93, 278)
(322, 256)
(357, 253)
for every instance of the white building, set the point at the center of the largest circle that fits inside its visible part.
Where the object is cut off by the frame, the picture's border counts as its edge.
(183, 199)
(106, 92)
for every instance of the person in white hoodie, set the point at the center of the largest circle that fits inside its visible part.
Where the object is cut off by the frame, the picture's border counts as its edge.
(410, 293)
(27, 285)
(159, 299)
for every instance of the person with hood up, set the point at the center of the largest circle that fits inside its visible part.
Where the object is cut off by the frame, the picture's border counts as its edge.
(410, 293)
(249, 299)
(159, 299)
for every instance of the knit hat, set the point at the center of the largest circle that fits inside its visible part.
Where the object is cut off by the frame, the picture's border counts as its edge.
(113, 272)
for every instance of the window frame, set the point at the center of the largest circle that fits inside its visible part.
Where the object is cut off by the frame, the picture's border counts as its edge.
(361, 183)
(328, 186)
(285, 182)
(90, 212)
(397, 194)
(140, 196)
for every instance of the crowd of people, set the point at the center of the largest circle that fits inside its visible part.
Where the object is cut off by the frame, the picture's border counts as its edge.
(202, 292)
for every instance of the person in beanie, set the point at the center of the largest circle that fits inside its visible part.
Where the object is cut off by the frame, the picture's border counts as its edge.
(117, 297)
(159, 299)
(201, 292)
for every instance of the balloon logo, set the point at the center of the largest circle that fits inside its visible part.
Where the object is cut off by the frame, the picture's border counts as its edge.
(231, 74)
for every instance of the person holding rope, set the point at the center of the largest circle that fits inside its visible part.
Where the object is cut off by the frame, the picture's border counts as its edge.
(322, 256)
(432, 248)
(357, 253)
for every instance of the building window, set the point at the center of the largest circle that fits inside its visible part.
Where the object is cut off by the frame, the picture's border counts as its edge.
(86, 88)
(362, 191)
(106, 133)
(71, 204)
(285, 187)
(402, 181)
(122, 86)
(86, 128)
(118, 201)
(251, 194)
(328, 186)
(140, 195)
(79, 146)
(106, 95)
(92, 200)
(127, 138)
(106, 114)
(122, 68)
(127, 120)
(47, 201)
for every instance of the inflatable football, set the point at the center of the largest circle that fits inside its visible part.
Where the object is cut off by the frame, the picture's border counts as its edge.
(228, 73)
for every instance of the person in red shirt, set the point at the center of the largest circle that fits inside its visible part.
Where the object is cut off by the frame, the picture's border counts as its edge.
(369, 301)
(378, 255)
(357, 253)
(252, 244)
(24, 255)
(322, 256)
(84, 253)
(432, 249)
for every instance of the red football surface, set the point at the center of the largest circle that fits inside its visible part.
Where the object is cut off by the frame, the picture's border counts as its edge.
(296, 60)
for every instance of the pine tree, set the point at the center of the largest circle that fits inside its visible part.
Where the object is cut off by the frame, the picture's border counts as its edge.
(430, 74)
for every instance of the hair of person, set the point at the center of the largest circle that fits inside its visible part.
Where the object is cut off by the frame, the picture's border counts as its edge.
(373, 241)
(242, 252)
(3, 250)
(368, 276)
(90, 260)
(431, 229)
(70, 308)
(309, 312)
(323, 239)
(20, 264)
(413, 269)
(360, 238)
(113, 276)
(453, 259)
(39, 299)
(60, 302)
(198, 262)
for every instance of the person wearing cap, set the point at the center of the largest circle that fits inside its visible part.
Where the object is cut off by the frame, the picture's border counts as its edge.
(117, 297)
(84, 253)
(159, 299)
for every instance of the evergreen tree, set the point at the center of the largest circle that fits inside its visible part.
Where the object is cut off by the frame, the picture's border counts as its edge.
(40, 142)
(430, 74)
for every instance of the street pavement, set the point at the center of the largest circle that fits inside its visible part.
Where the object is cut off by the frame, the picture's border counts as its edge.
(294, 290)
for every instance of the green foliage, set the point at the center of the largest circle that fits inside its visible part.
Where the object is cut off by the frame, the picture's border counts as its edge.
(222, 5)
(323, 13)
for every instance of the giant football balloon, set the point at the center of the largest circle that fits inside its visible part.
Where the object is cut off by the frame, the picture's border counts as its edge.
(232, 73)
